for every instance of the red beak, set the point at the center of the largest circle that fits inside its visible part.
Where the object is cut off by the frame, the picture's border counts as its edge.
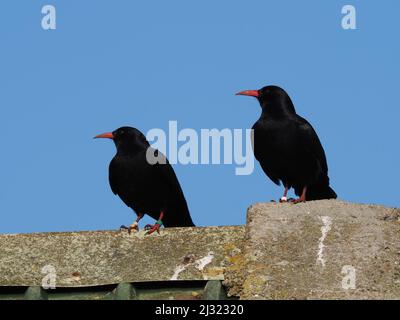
(251, 93)
(107, 135)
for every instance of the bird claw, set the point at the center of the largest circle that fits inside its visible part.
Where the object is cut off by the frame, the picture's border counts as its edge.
(126, 228)
(299, 200)
(151, 228)
(283, 200)
(286, 200)
(123, 227)
(130, 228)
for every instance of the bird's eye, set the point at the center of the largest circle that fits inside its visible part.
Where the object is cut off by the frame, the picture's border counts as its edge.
(121, 132)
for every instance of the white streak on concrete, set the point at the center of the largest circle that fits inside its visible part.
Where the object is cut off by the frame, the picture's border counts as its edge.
(201, 263)
(327, 221)
(177, 271)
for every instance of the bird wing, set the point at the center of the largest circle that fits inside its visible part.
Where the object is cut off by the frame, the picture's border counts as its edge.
(311, 143)
(261, 153)
(113, 176)
(167, 172)
(270, 174)
(177, 202)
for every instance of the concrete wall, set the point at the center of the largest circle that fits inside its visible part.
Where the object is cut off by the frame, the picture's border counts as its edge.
(318, 250)
(315, 250)
(109, 257)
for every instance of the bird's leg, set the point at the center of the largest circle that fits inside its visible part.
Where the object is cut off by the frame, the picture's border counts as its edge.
(135, 225)
(302, 197)
(284, 197)
(156, 226)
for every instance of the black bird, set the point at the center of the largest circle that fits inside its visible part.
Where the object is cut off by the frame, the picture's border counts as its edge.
(143, 185)
(288, 148)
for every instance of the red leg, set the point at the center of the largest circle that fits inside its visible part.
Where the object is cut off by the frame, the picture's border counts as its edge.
(302, 197)
(135, 225)
(156, 226)
(284, 197)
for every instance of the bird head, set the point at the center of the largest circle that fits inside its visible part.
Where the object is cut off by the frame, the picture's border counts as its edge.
(273, 99)
(127, 139)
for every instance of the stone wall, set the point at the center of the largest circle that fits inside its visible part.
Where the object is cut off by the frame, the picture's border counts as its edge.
(316, 250)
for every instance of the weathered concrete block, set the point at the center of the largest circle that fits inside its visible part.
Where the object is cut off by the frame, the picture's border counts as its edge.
(315, 250)
(318, 250)
(109, 257)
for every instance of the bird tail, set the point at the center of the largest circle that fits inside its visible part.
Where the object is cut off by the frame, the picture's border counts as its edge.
(186, 219)
(319, 192)
(179, 215)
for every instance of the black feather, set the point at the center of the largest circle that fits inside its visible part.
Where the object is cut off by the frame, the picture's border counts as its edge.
(145, 187)
(288, 148)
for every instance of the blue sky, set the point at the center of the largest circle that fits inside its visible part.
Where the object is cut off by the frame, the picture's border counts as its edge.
(144, 63)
